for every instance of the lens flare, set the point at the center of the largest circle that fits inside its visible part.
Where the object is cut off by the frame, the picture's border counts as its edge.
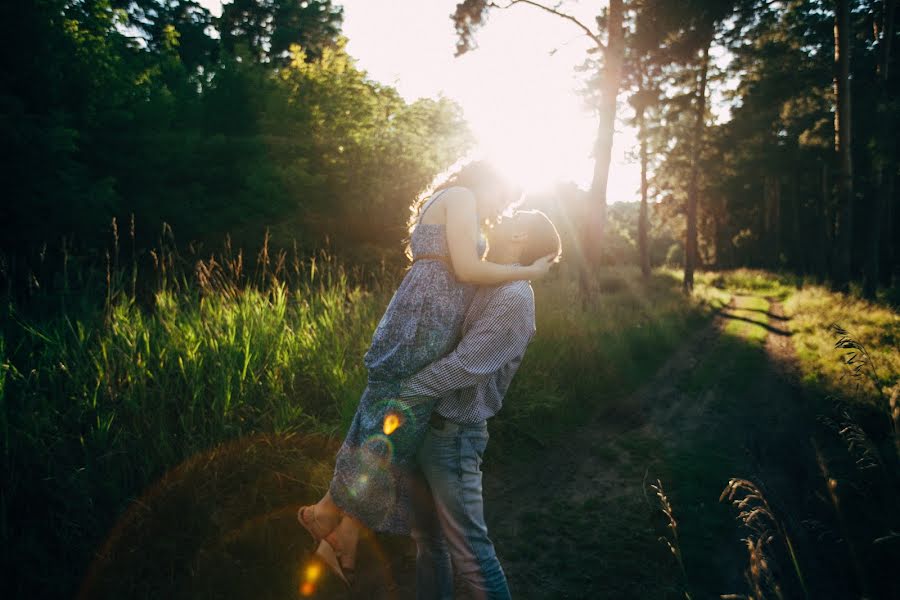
(378, 450)
(311, 575)
(391, 422)
(313, 572)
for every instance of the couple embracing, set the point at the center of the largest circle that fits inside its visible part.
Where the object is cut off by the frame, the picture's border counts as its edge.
(441, 359)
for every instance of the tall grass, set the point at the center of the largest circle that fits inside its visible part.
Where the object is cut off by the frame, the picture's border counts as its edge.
(100, 398)
(105, 388)
(814, 310)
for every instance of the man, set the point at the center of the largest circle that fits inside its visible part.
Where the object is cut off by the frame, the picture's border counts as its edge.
(470, 383)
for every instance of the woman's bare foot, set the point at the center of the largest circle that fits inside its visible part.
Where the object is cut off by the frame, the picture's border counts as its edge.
(321, 518)
(344, 539)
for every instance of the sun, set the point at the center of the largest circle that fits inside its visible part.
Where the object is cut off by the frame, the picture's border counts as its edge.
(536, 136)
(538, 154)
(537, 128)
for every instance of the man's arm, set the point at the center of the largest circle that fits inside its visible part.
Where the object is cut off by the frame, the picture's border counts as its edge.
(498, 336)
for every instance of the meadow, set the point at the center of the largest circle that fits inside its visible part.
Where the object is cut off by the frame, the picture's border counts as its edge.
(125, 374)
(129, 382)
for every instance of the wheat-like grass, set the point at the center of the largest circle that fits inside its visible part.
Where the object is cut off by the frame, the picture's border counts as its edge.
(755, 513)
(671, 541)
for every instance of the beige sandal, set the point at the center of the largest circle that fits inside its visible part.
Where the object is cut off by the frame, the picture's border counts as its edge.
(313, 526)
(327, 554)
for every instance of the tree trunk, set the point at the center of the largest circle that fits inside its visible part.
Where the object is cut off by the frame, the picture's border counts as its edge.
(614, 57)
(643, 218)
(871, 273)
(793, 245)
(884, 161)
(823, 227)
(690, 245)
(777, 221)
(844, 245)
(890, 220)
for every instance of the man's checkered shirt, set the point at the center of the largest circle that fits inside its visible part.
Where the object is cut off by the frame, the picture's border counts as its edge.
(472, 380)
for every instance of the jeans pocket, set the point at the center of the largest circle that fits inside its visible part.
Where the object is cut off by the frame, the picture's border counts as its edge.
(472, 449)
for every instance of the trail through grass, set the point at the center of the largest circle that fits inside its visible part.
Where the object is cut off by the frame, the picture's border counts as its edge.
(729, 404)
(162, 447)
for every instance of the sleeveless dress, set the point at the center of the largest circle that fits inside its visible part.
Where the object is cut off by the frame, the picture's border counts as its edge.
(422, 323)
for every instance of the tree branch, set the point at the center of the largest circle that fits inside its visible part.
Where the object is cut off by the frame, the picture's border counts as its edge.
(587, 30)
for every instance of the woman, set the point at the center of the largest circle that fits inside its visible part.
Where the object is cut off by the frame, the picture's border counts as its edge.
(421, 324)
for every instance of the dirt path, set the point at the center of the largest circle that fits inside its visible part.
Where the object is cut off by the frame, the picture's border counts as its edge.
(580, 520)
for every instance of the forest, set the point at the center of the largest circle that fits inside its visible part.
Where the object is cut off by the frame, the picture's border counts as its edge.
(204, 215)
(158, 112)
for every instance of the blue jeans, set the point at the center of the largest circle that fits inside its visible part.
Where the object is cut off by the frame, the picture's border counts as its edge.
(450, 459)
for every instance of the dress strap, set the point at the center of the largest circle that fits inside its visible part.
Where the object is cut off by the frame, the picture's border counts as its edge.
(429, 203)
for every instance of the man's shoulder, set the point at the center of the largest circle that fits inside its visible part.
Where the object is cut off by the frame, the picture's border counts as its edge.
(516, 294)
(518, 290)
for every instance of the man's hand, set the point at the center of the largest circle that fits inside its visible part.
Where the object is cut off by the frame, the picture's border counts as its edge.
(541, 266)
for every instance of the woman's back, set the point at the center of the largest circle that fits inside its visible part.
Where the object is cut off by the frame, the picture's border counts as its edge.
(423, 320)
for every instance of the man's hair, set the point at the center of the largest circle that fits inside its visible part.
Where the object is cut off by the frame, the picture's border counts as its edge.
(543, 239)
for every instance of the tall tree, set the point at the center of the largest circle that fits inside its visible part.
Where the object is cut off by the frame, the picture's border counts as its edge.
(886, 149)
(842, 127)
(690, 245)
(640, 100)
(683, 35)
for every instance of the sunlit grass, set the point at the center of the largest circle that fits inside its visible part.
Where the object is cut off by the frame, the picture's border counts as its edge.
(751, 282)
(814, 309)
(747, 318)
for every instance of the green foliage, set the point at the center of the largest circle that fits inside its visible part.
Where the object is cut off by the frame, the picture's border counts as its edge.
(145, 111)
(267, 30)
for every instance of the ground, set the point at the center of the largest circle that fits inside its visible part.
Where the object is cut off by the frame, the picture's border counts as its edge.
(577, 518)
(592, 524)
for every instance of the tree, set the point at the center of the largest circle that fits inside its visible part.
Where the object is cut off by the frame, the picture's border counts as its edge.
(268, 28)
(842, 126)
(690, 245)
(886, 149)
(642, 74)
(640, 101)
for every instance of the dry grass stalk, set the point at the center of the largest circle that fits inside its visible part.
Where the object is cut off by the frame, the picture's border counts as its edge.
(672, 543)
(757, 515)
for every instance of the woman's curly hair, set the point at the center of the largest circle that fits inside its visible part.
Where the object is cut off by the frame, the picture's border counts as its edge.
(469, 175)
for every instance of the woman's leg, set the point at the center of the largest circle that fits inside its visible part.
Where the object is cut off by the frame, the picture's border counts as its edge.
(382, 485)
(321, 518)
(345, 539)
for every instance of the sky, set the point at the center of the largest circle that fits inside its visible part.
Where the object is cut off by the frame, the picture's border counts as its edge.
(518, 89)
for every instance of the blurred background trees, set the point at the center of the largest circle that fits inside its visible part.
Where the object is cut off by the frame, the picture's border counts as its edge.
(218, 126)
(768, 130)
(772, 176)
